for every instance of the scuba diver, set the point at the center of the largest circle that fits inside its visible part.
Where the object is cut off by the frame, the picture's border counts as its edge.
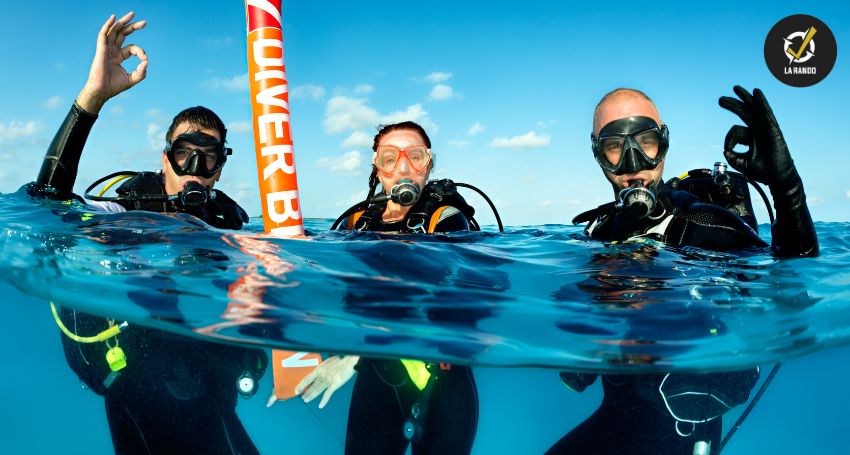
(163, 393)
(681, 413)
(399, 402)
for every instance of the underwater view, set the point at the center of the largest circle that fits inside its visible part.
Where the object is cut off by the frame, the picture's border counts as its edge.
(551, 228)
(518, 307)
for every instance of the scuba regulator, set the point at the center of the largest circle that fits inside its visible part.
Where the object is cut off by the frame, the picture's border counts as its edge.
(637, 200)
(405, 193)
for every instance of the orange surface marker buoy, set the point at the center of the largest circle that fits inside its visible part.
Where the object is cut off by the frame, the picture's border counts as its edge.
(275, 158)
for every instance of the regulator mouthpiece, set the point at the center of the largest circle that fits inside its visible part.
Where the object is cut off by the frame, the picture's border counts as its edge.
(194, 195)
(405, 192)
(637, 200)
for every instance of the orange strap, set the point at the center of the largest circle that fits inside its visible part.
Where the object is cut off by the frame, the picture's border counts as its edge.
(352, 220)
(435, 219)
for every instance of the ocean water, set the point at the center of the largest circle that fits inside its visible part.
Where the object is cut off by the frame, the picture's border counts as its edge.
(516, 306)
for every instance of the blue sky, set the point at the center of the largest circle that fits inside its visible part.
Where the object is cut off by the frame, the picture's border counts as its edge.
(505, 89)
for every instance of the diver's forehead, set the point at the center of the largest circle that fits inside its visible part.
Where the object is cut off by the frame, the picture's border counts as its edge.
(623, 107)
(187, 127)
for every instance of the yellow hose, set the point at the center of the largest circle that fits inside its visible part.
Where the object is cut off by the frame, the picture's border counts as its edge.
(102, 336)
(113, 182)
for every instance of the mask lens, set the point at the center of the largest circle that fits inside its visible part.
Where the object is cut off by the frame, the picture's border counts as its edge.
(648, 142)
(387, 159)
(418, 157)
(612, 149)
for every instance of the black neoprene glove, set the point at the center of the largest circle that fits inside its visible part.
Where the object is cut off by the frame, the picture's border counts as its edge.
(768, 161)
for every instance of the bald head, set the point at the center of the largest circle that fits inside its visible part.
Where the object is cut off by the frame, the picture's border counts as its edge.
(622, 103)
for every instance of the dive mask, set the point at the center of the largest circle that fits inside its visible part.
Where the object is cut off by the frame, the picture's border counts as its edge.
(630, 145)
(196, 153)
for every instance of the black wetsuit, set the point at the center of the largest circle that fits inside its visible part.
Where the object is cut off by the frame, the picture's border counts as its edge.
(633, 417)
(384, 394)
(176, 394)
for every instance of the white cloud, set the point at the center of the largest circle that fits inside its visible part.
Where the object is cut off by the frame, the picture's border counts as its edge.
(59, 66)
(459, 143)
(344, 113)
(414, 113)
(153, 112)
(52, 103)
(815, 201)
(156, 136)
(527, 141)
(237, 83)
(363, 89)
(547, 203)
(17, 129)
(442, 93)
(438, 76)
(546, 124)
(353, 199)
(8, 156)
(358, 139)
(116, 109)
(312, 91)
(847, 194)
(348, 114)
(476, 128)
(239, 127)
(349, 163)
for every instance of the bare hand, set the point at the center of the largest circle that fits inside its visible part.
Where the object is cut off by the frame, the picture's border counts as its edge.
(328, 377)
(107, 77)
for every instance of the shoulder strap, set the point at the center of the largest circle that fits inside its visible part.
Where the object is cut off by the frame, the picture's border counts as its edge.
(367, 218)
(352, 220)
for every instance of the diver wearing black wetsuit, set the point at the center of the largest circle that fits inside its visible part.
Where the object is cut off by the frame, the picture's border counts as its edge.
(433, 407)
(385, 395)
(634, 417)
(176, 394)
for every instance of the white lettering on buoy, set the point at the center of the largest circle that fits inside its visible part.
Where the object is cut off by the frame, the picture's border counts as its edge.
(296, 360)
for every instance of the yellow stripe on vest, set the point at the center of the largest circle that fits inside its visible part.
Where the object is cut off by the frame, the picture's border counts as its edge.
(417, 371)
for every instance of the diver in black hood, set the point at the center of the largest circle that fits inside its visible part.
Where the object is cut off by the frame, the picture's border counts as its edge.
(680, 413)
(167, 394)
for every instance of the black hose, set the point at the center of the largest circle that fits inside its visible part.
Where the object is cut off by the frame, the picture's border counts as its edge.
(492, 206)
(749, 409)
(763, 197)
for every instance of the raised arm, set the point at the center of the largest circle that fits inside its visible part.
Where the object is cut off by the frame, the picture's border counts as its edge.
(107, 78)
(768, 161)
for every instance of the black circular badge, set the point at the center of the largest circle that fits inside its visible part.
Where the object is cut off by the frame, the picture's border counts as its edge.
(800, 50)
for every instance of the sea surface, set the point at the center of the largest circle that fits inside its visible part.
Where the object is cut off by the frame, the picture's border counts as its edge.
(517, 306)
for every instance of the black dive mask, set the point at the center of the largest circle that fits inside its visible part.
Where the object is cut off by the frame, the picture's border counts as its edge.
(630, 145)
(196, 153)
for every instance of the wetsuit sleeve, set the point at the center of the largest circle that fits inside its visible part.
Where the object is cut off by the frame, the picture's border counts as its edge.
(793, 231)
(59, 169)
(451, 220)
